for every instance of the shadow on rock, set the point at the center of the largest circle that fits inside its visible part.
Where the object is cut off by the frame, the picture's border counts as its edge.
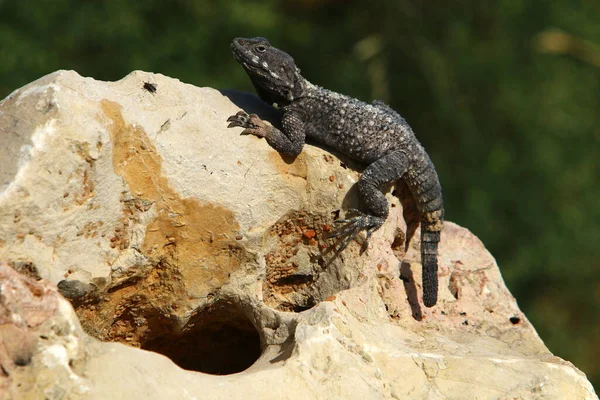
(411, 290)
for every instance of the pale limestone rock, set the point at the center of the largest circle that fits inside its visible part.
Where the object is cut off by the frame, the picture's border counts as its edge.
(170, 232)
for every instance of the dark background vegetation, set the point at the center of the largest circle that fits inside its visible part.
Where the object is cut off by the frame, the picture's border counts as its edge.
(505, 95)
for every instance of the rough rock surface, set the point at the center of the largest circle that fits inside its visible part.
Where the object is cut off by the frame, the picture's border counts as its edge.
(170, 233)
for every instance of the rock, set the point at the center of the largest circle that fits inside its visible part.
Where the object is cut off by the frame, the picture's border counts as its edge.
(42, 347)
(72, 289)
(204, 254)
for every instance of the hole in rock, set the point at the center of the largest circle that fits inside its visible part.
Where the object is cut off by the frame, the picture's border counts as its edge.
(217, 340)
(22, 361)
(514, 320)
(398, 244)
(454, 285)
(145, 308)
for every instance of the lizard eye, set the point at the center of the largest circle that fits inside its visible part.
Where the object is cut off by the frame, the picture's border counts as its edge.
(261, 48)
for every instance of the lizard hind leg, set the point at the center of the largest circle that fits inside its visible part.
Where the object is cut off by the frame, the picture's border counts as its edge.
(385, 170)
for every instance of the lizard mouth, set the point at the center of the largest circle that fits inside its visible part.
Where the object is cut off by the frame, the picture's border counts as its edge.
(241, 56)
(237, 51)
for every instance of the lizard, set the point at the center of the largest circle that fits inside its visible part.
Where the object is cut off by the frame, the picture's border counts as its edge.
(372, 134)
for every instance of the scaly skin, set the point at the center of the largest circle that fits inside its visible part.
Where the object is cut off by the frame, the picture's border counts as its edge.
(373, 134)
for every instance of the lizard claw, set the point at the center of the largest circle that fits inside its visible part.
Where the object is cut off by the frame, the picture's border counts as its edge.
(351, 211)
(353, 226)
(239, 119)
(253, 124)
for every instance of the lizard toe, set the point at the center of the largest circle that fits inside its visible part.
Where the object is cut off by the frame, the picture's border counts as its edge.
(253, 131)
(353, 226)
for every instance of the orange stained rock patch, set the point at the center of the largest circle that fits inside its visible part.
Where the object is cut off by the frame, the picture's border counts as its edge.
(309, 233)
(287, 165)
(197, 238)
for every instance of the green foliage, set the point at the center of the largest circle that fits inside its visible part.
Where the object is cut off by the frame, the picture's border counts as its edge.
(504, 95)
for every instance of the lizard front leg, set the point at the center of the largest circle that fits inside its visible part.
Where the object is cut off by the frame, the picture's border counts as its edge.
(385, 170)
(289, 140)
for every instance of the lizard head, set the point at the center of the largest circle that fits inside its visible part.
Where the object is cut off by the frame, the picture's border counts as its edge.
(272, 71)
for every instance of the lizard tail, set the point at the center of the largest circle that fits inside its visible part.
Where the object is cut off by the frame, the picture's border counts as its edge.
(428, 196)
(429, 260)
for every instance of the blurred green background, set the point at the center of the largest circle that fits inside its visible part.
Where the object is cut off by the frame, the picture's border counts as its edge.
(505, 96)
